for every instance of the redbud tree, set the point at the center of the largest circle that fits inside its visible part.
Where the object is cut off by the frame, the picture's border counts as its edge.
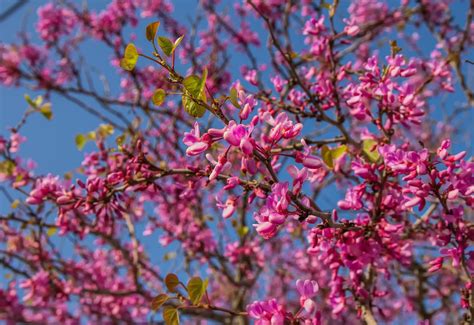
(262, 161)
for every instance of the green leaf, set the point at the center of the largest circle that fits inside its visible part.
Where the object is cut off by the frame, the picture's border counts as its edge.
(191, 107)
(80, 141)
(195, 85)
(171, 316)
(158, 301)
(192, 85)
(338, 152)
(169, 256)
(158, 97)
(196, 289)
(333, 8)
(15, 204)
(166, 45)
(242, 231)
(7, 167)
(46, 111)
(171, 282)
(151, 30)
(327, 157)
(130, 57)
(30, 101)
(105, 130)
(330, 155)
(194, 88)
(120, 140)
(177, 42)
(233, 97)
(369, 147)
(51, 231)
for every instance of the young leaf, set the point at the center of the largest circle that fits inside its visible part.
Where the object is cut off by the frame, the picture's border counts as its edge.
(120, 140)
(191, 107)
(369, 147)
(15, 204)
(196, 289)
(46, 111)
(30, 101)
(151, 30)
(158, 301)
(192, 85)
(177, 42)
(130, 57)
(171, 316)
(327, 157)
(233, 97)
(80, 141)
(338, 152)
(166, 45)
(51, 231)
(158, 97)
(195, 85)
(171, 281)
(105, 130)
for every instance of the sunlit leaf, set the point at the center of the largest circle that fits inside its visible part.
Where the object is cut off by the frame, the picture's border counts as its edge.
(369, 147)
(171, 282)
(192, 84)
(158, 301)
(191, 107)
(130, 57)
(166, 45)
(242, 231)
(15, 204)
(158, 97)
(7, 167)
(29, 100)
(51, 231)
(194, 88)
(80, 141)
(105, 130)
(46, 111)
(327, 157)
(177, 42)
(338, 152)
(169, 256)
(151, 30)
(196, 289)
(120, 140)
(195, 85)
(170, 316)
(233, 97)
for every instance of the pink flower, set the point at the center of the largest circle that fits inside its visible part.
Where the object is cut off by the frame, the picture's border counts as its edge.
(55, 22)
(196, 144)
(307, 290)
(266, 312)
(238, 135)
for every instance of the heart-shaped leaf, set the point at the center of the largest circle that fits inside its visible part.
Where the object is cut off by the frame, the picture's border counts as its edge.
(369, 147)
(158, 97)
(196, 289)
(166, 45)
(151, 30)
(171, 282)
(171, 316)
(130, 58)
(158, 301)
